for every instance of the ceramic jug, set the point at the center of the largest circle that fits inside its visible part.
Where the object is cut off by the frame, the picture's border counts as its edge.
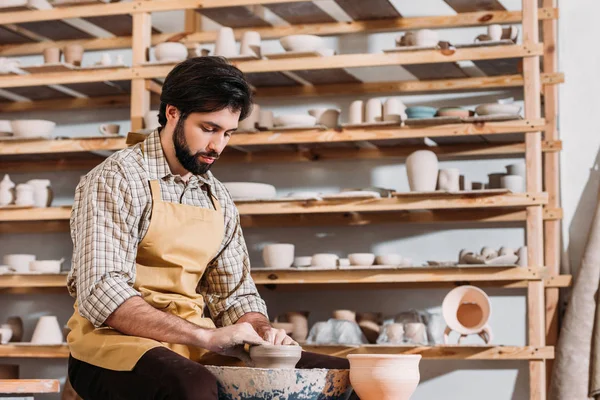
(7, 194)
(42, 192)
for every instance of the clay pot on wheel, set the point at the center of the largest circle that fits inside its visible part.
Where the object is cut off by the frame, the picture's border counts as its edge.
(422, 171)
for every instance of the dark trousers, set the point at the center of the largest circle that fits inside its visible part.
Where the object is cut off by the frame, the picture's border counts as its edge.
(163, 374)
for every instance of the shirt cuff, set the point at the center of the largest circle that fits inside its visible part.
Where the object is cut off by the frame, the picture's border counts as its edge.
(104, 299)
(244, 305)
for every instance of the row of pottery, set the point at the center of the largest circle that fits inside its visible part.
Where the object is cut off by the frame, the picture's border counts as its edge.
(27, 263)
(47, 331)
(27, 128)
(430, 38)
(33, 193)
(490, 256)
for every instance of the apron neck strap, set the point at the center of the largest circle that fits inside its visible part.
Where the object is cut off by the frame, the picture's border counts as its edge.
(155, 189)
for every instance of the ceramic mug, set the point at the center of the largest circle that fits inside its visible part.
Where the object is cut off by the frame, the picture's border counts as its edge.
(495, 32)
(109, 129)
(51, 55)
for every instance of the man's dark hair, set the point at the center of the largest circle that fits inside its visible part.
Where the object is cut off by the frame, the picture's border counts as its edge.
(205, 84)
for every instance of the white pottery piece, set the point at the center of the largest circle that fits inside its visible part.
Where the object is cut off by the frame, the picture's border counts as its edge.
(346, 315)
(415, 332)
(5, 334)
(42, 193)
(384, 376)
(225, 44)
(505, 251)
(325, 260)
(495, 32)
(109, 129)
(344, 262)
(449, 179)
(5, 127)
(329, 117)
(426, 37)
(46, 266)
(498, 109)
(7, 195)
(19, 262)
(265, 119)
(467, 310)
(465, 183)
(170, 52)
(422, 171)
(300, 262)
(249, 124)
(362, 259)
(291, 120)
(394, 110)
(514, 183)
(250, 45)
(488, 253)
(47, 331)
(394, 332)
(389, 259)
(25, 195)
(250, 190)
(522, 254)
(373, 110)
(408, 39)
(356, 113)
(278, 255)
(517, 169)
(302, 43)
(151, 120)
(32, 128)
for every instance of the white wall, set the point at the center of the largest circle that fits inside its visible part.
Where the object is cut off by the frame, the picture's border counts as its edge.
(453, 380)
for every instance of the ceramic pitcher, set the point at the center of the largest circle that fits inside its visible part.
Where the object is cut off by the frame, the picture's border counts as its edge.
(7, 193)
(42, 192)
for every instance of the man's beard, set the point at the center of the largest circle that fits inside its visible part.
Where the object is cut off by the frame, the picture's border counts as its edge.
(188, 160)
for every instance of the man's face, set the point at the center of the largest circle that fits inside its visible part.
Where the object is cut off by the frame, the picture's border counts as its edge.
(201, 137)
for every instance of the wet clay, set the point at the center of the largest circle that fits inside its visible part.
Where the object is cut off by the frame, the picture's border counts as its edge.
(274, 357)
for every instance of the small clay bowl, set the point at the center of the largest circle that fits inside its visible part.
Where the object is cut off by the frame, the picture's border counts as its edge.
(453, 112)
(275, 356)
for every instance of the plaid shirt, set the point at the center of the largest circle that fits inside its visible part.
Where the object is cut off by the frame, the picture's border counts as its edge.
(111, 216)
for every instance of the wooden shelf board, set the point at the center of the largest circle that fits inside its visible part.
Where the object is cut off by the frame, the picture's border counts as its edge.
(303, 12)
(33, 281)
(461, 6)
(234, 17)
(16, 351)
(29, 386)
(442, 352)
(99, 143)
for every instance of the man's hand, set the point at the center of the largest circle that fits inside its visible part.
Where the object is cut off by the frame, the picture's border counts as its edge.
(230, 340)
(263, 327)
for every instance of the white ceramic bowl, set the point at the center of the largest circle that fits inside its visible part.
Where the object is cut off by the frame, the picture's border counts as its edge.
(389, 259)
(325, 260)
(250, 190)
(170, 51)
(278, 255)
(19, 262)
(300, 262)
(362, 259)
(295, 120)
(302, 42)
(46, 266)
(498, 109)
(32, 128)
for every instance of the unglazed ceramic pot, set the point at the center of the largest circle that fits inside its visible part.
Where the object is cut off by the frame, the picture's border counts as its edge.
(422, 171)
(170, 52)
(389, 259)
(522, 253)
(394, 332)
(225, 44)
(347, 315)
(329, 117)
(467, 310)
(465, 183)
(278, 255)
(394, 110)
(250, 45)
(415, 332)
(51, 55)
(251, 122)
(384, 376)
(265, 120)
(373, 110)
(275, 356)
(495, 180)
(299, 320)
(47, 331)
(517, 169)
(495, 32)
(356, 113)
(362, 259)
(426, 37)
(325, 260)
(449, 179)
(74, 54)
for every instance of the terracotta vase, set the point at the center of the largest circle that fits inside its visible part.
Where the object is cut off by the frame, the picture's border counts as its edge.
(449, 179)
(299, 320)
(384, 376)
(467, 310)
(422, 171)
(74, 54)
(225, 44)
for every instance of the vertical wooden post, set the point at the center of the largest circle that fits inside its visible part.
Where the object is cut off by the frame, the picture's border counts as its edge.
(140, 96)
(552, 243)
(535, 228)
(193, 21)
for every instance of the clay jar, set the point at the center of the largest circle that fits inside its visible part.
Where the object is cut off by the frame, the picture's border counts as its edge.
(272, 356)
(384, 376)
(449, 179)
(422, 171)
(51, 55)
(299, 320)
(74, 54)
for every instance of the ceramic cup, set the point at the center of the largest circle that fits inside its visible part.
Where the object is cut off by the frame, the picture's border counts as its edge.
(47, 331)
(74, 54)
(449, 179)
(109, 129)
(225, 44)
(394, 110)
(51, 55)
(19, 262)
(356, 112)
(373, 110)
(326, 116)
(250, 45)
(265, 120)
(495, 32)
(278, 255)
(514, 183)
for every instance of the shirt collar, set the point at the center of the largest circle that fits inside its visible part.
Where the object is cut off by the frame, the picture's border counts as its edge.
(158, 168)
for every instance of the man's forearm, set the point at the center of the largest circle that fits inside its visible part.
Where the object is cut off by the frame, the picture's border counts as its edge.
(135, 317)
(259, 322)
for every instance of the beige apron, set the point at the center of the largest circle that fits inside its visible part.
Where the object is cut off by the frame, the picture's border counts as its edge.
(171, 259)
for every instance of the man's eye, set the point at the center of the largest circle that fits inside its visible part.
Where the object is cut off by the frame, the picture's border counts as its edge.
(210, 130)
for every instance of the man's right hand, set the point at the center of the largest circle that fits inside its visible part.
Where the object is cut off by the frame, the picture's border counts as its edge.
(230, 340)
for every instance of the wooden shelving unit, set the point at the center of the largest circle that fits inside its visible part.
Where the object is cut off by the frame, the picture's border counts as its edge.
(513, 66)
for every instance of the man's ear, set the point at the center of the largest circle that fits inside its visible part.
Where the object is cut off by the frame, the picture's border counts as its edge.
(172, 113)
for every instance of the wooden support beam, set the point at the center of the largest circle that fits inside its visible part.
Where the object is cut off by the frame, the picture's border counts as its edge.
(140, 97)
